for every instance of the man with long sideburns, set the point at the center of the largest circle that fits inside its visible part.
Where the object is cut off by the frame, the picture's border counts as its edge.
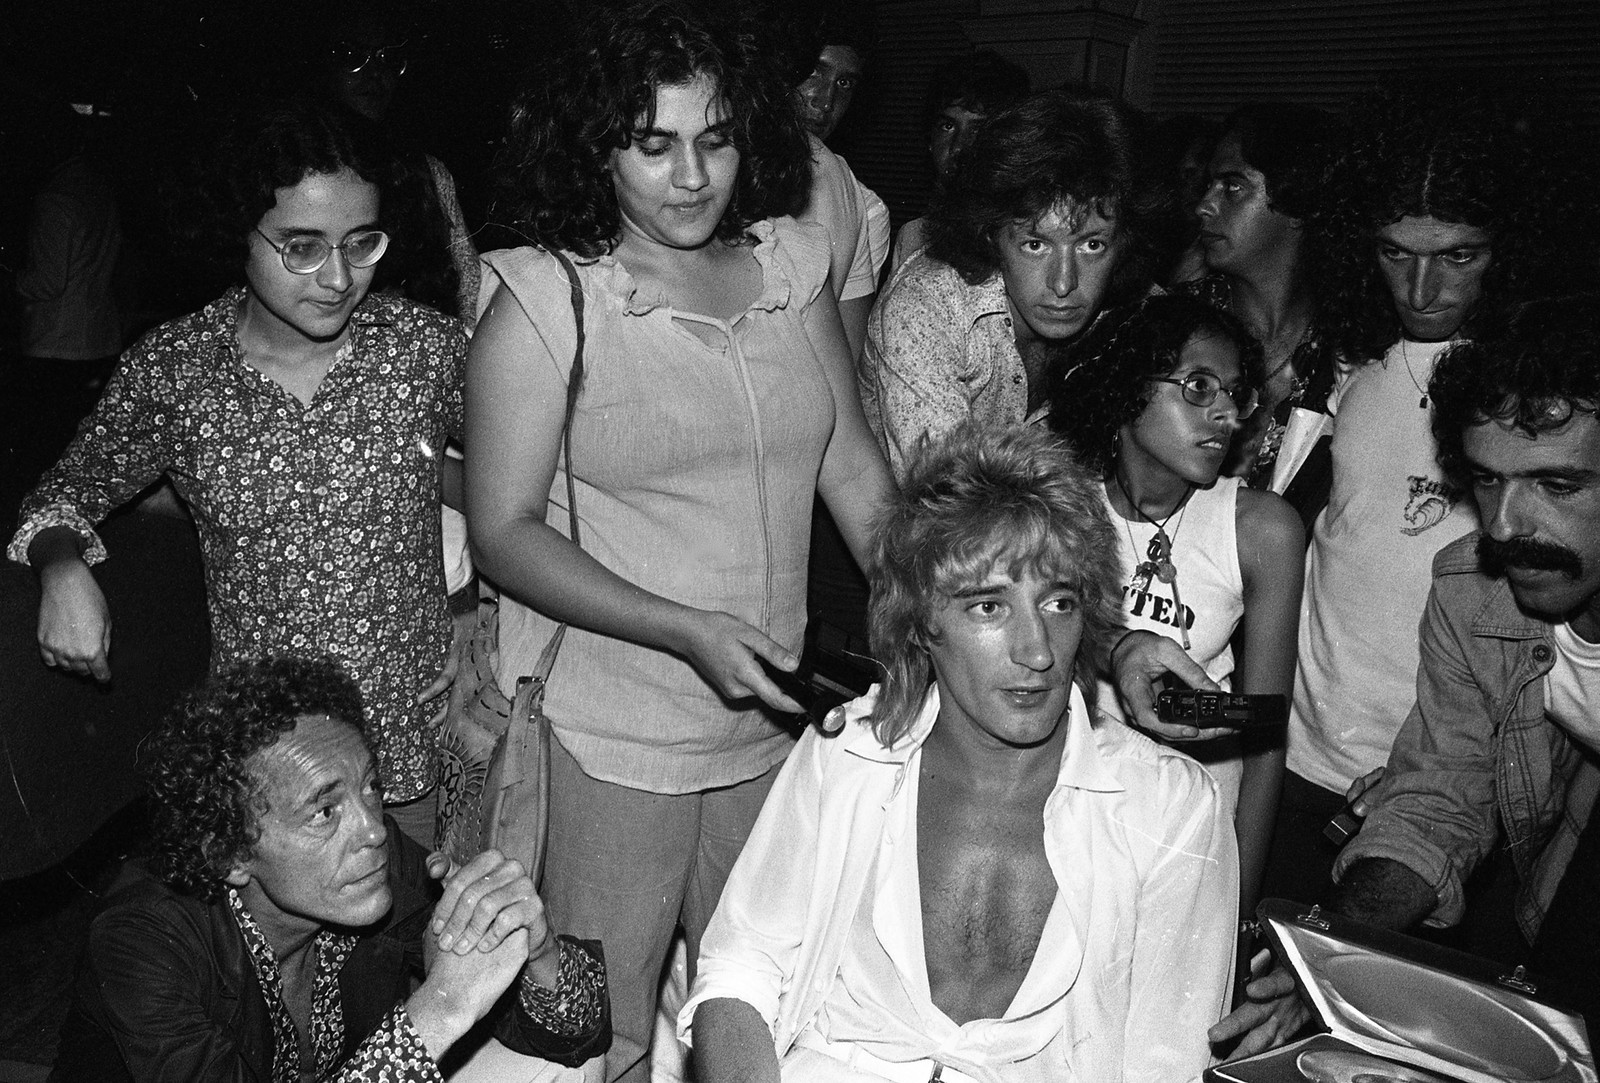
(974, 880)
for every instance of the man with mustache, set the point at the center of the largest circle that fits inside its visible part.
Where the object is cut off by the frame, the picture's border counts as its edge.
(1436, 217)
(1505, 732)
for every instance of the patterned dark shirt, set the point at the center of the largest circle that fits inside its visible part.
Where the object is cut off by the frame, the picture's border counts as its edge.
(395, 1051)
(327, 1010)
(579, 998)
(319, 524)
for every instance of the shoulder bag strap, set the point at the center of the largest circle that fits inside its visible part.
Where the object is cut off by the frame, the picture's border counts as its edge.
(547, 657)
(574, 386)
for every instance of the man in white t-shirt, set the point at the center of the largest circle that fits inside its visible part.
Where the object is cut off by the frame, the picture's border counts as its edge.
(1410, 258)
(837, 50)
(833, 47)
(1434, 219)
(858, 234)
(1504, 739)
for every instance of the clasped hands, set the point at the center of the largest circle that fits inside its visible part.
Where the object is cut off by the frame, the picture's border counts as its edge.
(486, 927)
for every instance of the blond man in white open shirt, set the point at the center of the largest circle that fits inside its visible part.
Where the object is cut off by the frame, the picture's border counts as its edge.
(973, 880)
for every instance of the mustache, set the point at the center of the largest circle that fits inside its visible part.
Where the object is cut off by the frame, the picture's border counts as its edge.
(1498, 556)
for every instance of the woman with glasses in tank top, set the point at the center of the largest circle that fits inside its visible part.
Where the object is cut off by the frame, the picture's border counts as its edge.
(1153, 398)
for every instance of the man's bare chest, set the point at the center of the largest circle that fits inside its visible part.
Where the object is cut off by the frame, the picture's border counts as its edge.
(986, 889)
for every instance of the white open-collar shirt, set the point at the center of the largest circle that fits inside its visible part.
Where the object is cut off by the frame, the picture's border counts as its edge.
(1133, 964)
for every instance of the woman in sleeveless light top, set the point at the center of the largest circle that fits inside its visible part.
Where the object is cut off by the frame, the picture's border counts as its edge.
(1153, 397)
(662, 156)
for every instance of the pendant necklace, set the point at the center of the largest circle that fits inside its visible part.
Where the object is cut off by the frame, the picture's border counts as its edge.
(1422, 403)
(1157, 563)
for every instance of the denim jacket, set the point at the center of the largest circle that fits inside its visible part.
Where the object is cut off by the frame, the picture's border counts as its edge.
(1476, 743)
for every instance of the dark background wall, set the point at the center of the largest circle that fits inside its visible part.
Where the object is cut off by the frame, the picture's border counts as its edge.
(139, 58)
(1207, 56)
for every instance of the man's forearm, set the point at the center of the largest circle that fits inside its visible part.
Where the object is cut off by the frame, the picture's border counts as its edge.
(1381, 891)
(732, 1044)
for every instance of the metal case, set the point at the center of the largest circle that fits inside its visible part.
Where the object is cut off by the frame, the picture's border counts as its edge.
(1403, 1010)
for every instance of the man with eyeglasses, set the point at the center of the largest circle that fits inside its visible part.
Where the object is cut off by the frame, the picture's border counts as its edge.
(366, 49)
(301, 417)
(363, 53)
(364, 57)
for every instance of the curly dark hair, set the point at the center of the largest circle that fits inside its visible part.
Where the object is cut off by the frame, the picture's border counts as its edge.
(971, 497)
(981, 82)
(205, 801)
(797, 34)
(268, 145)
(1459, 151)
(1288, 144)
(553, 182)
(1059, 146)
(417, 264)
(1534, 372)
(1102, 382)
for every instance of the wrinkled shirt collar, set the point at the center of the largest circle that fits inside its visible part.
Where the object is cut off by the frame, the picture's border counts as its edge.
(375, 310)
(1082, 766)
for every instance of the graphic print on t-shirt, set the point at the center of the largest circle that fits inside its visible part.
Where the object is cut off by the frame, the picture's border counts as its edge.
(1139, 602)
(1430, 502)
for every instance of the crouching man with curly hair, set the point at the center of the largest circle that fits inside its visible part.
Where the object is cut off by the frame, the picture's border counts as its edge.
(975, 879)
(277, 933)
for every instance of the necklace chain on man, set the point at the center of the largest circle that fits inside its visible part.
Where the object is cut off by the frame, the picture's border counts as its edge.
(1422, 403)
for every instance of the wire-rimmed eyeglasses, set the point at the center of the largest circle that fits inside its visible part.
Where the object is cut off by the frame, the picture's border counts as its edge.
(306, 255)
(1202, 389)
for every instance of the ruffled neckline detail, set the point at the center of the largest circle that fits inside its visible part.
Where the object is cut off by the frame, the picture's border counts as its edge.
(636, 300)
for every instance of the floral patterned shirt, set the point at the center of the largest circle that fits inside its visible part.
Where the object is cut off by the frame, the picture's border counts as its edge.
(939, 351)
(319, 524)
(395, 1051)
